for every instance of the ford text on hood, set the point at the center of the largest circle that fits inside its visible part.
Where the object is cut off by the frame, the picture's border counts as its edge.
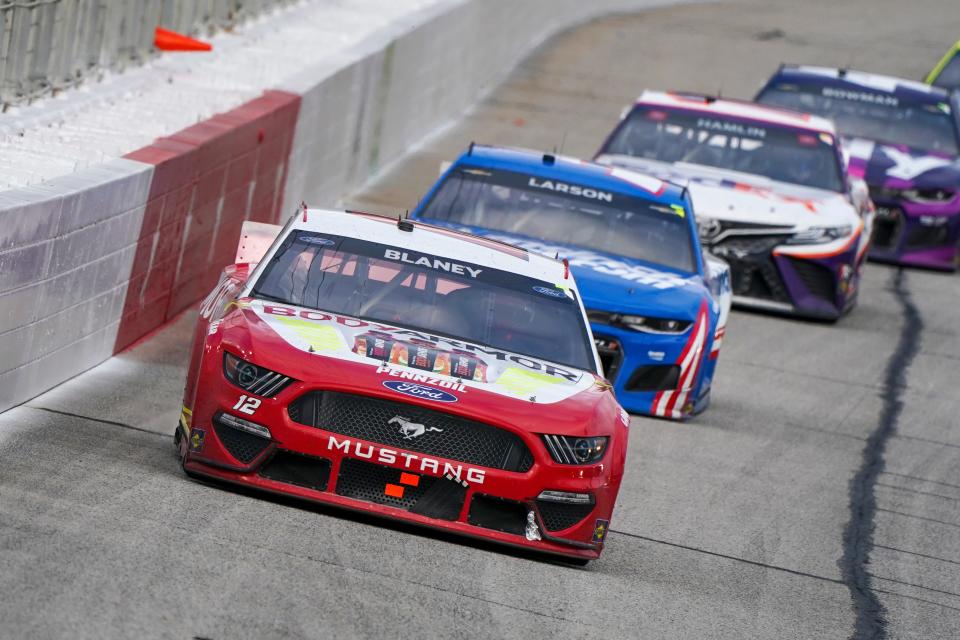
(411, 372)
(903, 139)
(657, 308)
(770, 193)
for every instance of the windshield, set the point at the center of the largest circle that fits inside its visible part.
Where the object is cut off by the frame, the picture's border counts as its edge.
(778, 153)
(433, 294)
(872, 115)
(566, 213)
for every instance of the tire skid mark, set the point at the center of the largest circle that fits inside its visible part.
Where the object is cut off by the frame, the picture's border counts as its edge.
(858, 534)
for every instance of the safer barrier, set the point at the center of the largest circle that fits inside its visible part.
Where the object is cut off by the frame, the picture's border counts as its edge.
(92, 261)
(207, 180)
(65, 253)
(367, 110)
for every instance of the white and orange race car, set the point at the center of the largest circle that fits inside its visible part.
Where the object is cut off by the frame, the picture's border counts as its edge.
(771, 193)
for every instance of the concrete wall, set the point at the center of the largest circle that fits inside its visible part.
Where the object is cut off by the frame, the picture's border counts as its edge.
(91, 262)
(362, 112)
(65, 253)
(207, 180)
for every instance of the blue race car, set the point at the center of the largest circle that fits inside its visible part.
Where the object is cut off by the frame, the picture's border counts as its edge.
(657, 305)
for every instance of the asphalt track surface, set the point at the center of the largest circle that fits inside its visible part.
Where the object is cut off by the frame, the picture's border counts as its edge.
(817, 498)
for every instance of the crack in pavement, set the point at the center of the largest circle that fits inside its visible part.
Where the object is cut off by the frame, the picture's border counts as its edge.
(918, 517)
(903, 595)
(917, 553)
(111, 423)
(716, 554)
(916, 491)
(858, 534)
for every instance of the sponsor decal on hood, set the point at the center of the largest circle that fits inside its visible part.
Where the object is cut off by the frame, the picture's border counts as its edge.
(421, 364)
(877, 163)
(600, 263)
(711, 185)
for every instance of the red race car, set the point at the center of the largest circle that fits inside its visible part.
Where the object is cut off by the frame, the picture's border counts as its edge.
(409, 371)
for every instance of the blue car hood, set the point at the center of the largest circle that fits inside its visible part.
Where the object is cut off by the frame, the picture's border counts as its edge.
(614, 283)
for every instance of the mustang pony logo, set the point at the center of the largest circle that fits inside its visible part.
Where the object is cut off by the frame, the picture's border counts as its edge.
(411, 430)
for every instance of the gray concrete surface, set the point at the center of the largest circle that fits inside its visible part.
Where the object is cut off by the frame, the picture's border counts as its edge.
(730, 526)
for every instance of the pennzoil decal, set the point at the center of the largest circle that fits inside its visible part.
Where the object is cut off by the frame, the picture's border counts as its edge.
(413, 376)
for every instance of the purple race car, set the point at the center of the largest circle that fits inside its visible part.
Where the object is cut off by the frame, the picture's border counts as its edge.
(902, 139)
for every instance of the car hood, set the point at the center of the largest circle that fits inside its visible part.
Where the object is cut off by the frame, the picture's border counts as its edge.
(748, 198)
(617, 284)
(372, 358)
(900, 167)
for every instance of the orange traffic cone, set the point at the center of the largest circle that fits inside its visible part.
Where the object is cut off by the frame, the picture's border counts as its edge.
(167, 40)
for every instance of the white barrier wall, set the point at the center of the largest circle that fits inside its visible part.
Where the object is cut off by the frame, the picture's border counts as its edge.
(363, 111)
(66, 248)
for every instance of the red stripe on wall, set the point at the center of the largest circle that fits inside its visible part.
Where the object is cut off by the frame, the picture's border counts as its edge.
(207, 180)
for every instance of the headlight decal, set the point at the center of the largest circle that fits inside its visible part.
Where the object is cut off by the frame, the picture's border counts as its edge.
(574, 449)
(820, 235)
(643, 324)
(252, 378)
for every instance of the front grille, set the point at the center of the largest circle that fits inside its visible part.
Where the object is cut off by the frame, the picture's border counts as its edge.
(611, 355)
(749, 246)
(498, 514)
(886, 227)
(398, 424)
(654, 377)
(243, 446)
(818, 279)
(443, 500)
(558, 516)
(368, 482)
(753, 272)
(296, 468)
(928, 236)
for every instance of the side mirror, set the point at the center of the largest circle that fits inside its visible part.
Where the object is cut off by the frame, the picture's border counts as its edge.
(860, 195)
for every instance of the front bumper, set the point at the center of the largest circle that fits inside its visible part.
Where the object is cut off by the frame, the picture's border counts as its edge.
(770, 276)
(645, 370)
(916, 235)
(325, 466)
